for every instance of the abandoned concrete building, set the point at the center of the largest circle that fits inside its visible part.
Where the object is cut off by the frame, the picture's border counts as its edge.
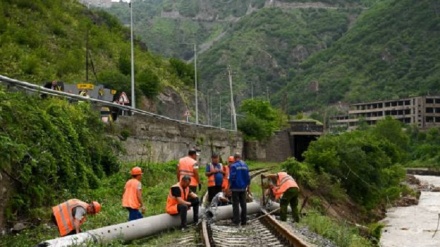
(423, 111)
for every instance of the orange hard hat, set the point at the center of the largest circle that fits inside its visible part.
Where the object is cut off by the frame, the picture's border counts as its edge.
(96, 206)
(136, 171)
(231, 159)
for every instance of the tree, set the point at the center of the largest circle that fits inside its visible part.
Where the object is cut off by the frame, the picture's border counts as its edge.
(260, 120)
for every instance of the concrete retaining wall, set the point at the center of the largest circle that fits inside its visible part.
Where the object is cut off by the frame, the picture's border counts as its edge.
(276, 149)
(153, 139)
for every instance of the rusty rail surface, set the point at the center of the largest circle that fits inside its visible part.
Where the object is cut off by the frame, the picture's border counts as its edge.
(281, 231)
(206, 240)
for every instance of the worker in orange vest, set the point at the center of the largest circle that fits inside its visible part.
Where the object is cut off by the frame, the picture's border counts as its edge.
(214, 172)
(181, 199)
(188, 166)
(225, 184)
(70, 215)
(287, 191)
(132, 197)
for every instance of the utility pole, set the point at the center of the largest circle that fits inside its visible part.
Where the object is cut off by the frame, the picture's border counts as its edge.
(252, 90)
(267, 93)
(87, 54)
(195, 82)
(133, 99)
(234, 115)
(220, 112)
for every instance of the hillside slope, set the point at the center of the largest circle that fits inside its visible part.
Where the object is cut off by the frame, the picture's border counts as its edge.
(47, 40)
(391, 51)
(263, 41)
(264, 48)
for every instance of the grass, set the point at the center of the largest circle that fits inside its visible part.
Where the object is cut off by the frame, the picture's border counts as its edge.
(340, 233)
(156, 182)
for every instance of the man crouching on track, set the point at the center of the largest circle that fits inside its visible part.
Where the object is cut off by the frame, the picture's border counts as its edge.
(287, 191)
(181, 199)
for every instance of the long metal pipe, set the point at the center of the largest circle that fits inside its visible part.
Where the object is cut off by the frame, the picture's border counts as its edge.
(126, 231)
(141, 228)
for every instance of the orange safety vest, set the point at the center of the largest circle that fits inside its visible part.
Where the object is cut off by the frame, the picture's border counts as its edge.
(225, 184)
(211, 178)
(64, 215)
(186, 167)
(284, 182)
(130, 199)
(172, 202)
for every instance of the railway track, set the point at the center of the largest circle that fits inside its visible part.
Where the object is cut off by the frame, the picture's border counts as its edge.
(261, 230)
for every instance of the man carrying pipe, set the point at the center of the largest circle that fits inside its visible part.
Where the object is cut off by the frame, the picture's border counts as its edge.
(188, 166)
(287, 191)
(132, 197)
(181, 199)
(70, 215)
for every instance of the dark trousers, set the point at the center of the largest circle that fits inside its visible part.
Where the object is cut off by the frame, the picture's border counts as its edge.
(134, 214)
(193, 189)
(73, 232)
(182, 210)
(290, 196)
(239, 198)
(212, 191)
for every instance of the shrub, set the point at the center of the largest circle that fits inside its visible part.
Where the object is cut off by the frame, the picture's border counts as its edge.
(58, 148)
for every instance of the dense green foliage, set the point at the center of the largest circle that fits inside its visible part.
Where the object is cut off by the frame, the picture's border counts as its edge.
(342, 235)
(364, 163)
(263, 51)
(390, 52)
(46, 40)
(260, 119)
(50, 148)
(156, 181)
(424, 148)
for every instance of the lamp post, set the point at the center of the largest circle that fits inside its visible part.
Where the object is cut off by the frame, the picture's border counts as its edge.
(195, 80)
(133, 100)
(233, 114)
(195, 83)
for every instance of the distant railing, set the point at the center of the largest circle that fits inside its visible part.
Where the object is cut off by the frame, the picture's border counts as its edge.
(42, 90)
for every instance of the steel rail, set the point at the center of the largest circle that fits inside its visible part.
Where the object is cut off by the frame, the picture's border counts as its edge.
(281, 231)
(206, 239)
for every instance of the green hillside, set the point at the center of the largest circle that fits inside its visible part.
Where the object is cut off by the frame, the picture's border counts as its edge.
(264, 44)
(266, 47)
(46, 40)
(165, 25)
(392, 51)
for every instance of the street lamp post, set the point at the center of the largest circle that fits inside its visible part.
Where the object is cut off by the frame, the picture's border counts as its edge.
(195, 80)
(195, 83)
(233, 114)
(133, 100)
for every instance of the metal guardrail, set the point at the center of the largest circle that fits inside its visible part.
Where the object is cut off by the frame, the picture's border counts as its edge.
(40, 89)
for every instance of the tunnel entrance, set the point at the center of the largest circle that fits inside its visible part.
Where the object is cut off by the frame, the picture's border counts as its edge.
(302, 132)
(300, 145)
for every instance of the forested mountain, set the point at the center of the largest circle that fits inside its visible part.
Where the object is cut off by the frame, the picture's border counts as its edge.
(261, 40)
(47, 40)
(391, 51)
(302, 55)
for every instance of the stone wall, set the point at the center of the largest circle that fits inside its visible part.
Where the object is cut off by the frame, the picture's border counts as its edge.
(276, 149)
(152, 139)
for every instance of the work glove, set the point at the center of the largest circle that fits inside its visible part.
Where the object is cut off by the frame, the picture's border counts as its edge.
(200, 187)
